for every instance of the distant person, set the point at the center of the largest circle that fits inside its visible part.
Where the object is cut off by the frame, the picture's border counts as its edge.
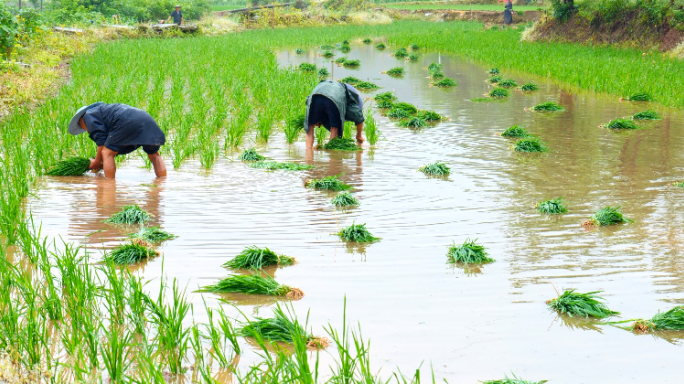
(119, 129)
(330, 104)
(177, 16)
(508, 13)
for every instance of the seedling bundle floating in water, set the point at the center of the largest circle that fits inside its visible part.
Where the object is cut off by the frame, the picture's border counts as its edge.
(646, 115)
(445, 82)
(415, 47)
(435, 71)
(129, 214)
(515, 131)
(413, 122)
(429, 115)
(401, 53)
(341, 60)
(622, 124)
(331, 183)
(498, 93)
(307, 67)
(357, 233)
(367, 41)
(299, 51)
(365, 85)
(381, 46)
(385, 96)
(413, 57)
(495, 79)
(641, 96)
(529, 87)
(436, 169)
(251, 155)
(344, 199)
(494, 71)
(342, 144)
(257, 258)
(275, 166)
(351, 80)
(552, 207)
(508, 83)
(351, 63)
(410, 108)
(282, 328)
(152, 234)
(672, 320)
(607, 216)
(72, 166)
(398, 113)
(529, 145)
(327, 54)
(396, 71)
(513, 380)
(255, 284)
(572, 303)
(468, 253)
(549, 106)
(323, 72)
(132, 252)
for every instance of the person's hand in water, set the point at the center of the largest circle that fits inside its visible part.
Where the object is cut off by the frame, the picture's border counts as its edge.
(359, 133)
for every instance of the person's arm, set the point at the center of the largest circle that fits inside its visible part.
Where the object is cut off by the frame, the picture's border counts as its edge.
(359, 133)
(96, 163)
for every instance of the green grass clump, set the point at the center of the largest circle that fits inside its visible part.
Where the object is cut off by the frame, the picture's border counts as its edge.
(622, 124)
(445, 82)
(381, 46)
(152, 234)
(131, 253)
(641, 96)
(357, 233)
(345, 49)
(437, 169)
(385, 96)
(572, 303)
(255, 284)
(257, 258)
(646, 115)
(251, 155)
(396, 71)
(299, 51)
(528, 87)
(429, 115)
(129, 214)
(341, 60)
(672, 320)
(366, 85)
(72, 166)
(344, 199)
(495, 79)
(331, 183)
(415, 47)
(351, 80)
(385, 104)
(499, 93)
(327, 47)
(410, 108)
(275, 166)
(367, 41)
(342, 144)
(281, 327)
(468, 253)
(401, 53)
(437, 74)
(514, 379)
(327, 54)
(607, 216)
(549, 106)
(494, 71)
(307, 67)
(552, 207)
(508, 83)
(323, 72)
(352, 63)
(530, 144)
(413, 57)
(434, 67)
(345, 42)
(515, 131)
(413, 122)
(398, 113)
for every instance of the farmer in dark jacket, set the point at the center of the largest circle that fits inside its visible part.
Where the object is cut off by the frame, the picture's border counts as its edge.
(508, 13)
(119, 129)
(177, 16)
(330, 104)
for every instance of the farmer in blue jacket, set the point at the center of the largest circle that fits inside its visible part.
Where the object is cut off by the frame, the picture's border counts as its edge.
(119, 129)
(330, 104)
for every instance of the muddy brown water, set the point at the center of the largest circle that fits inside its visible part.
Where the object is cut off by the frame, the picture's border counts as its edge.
(470, 325)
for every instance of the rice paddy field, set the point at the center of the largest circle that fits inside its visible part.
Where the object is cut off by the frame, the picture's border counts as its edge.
(461, 6)
(410, 288)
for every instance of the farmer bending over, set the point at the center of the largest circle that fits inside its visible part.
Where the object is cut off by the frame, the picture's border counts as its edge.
(330, 104)
(119, 129)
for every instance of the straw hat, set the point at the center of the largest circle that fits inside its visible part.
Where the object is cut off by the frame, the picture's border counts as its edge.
(76, 129)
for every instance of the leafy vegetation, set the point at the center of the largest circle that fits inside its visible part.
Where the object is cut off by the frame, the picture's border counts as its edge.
(323, 72)
(494, 71)
(515, 131)
(257, 258)
(351, 80)
(646, 115)
(529, 87)
(573, 303)
(401, 53)
(413, 57)
(152, 234)
(607, 216)
(357, 233)
(367, 41)
(255, 284)
(341, 60)
(398, 113)
(508, 83)
(396, 71)
(672, 320)
(282, 327)
(342, 144)
(548, 106)
(552, 207)
(344, 199)
(365, 85)
(429, 115)
(73, 166)
(530, 144)
(129, 214)
(327, 54)
(622, 124)
(275, 166)
(641, 96)
(381, 46)
(307, 67)
(514, 379)
(445, 82)
(413, 122)
(352, 63)
(437, 169)
(252, 155)
(468, 253)
(331, 183)
(499, 93)
(131, 253)
(385, 96)
(495, 79)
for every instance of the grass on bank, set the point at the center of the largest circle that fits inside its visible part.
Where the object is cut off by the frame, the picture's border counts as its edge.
(357, 233)
(255, 284)
(607, 216)
(468, 253)
(257, 258)
(573, 303)
(129, 214)
(72, 166)
(330, 183)
(344, 199)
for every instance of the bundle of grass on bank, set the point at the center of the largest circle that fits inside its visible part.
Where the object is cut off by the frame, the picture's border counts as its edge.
(621, 124)
(515, 131)
(366, 86)
(530, 145)
(646, 115)
(307, 67)
(357, 233)
(367, 41)
(494, 71)
(573, 304)
(276, 166)
(435, 169)
(495, 79)
(413, 122)
(344, 199)
(607, 216)
(72, 166)
(412, 57)
(330, 183)
(429, 115)
(341, 144)
(548, 106)
(445, 82)
(468, 253)
(255, 284)
(129, 214)
(351, 80)
(381, 46)
(132, 252)
(396, 71)
(641, 96)
(672, 320)
(401, 53)
(529, 87)
(327, 54)
(351, 63)
(257, 258)
(513, 380)
(251, 155)
(508, 83)
(281, 328)
(152, 234)
(499, 93)
(552, 207)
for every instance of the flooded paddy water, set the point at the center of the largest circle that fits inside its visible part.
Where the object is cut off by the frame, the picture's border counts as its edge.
(469, 325)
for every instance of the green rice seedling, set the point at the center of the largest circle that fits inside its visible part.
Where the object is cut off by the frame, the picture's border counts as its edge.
(365, 85)
(352, 63)
(572, 303)
(438, 74)
(344, 199)
(429, 115)
(371, 128)
(367, 41)
(381, 46)
(435, 169)
(407, 107)
(323, 72)
(415, 47)
(275, 166)
(401, 53)
(515, 131)
(641, 96)
(357, 233)
(445, 82)
(327, 54)
(331, 183)
(672, 320)
(607, 216)
(168, 317)
(282, 327)
(398, 113)
(131, 253)
(413, 122)
(257, 258)
(129, 214)
(345, 42)
(514, 379)
(341, 144)
(622, 124)
(152, 234)
(307, 67)
(251, 155)
(495, 79)
(345, 49)
(327, 47)
(434, 67)
(341, 60)
(552, 207)
(299, 51)
(294, 125)
(385, 96)
(255, 284)
(530, 144)
(413, 57)
(494, 71)
(72, 166)
(529, 87)
(396, 71)
(385, 104)
(508, 83)
(646, 115)
(351, 80)
(499, 93)
(468, 253)
(548, 106)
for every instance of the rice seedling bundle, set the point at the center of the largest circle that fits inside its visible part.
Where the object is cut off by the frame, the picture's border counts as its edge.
(529, 87)
(499, 93)
(413, 122)
(131, 253)
(129, 214)
(341, 144)
(401, 53)
(495, 79)
(344, 199)
(552, 207)
(299, 51)
(327, 47)
(152, 234)
(274, 166)
(515, 131)
(281, 328)
(413, 57)
(371, 128)
(72, 166)
(494, 71)
(407, 107)
(429, 115)
(468, 253)
(385, 96)
(508, 83)
(255, 284)
(352, 63)
(641, 96)
(398, 113)
(341, 60)
(572, 303)
(381, 46)
(345, 49)
(530, 144)
(366, 85)
(331, 183)
(385, 104)
(646, 115)
(434, 67)
(251, 155)
(396, 71)
(351, 80)
(622, 124)
(307, 67)
(436, 169)
(345, 42)
(607, 216)
(549, 106)
(415, 47)
(445, 82)
(514, 379)
(327, 54)
(367, 41)
(672, 320)
(357, 233)
(257, 258)
(323, 72)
